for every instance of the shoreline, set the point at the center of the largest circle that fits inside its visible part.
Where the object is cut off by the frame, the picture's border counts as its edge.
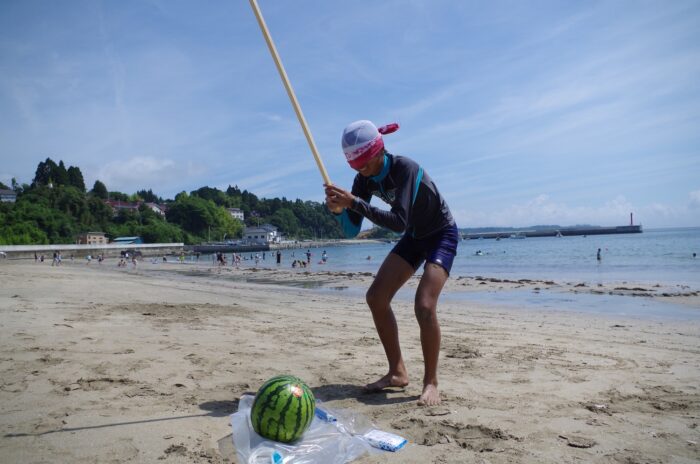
(106, 364)
(316, 278)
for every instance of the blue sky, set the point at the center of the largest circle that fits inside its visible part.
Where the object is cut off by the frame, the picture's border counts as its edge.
(522, 112)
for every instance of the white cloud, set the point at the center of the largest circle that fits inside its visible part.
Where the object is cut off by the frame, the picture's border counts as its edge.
(694, 199)
(147, 172)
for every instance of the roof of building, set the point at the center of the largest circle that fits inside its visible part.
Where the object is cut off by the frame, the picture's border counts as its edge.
(126, 239)
(122, 204)
(265, 227)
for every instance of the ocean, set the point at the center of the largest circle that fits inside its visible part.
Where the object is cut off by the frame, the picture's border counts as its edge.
(662, 256)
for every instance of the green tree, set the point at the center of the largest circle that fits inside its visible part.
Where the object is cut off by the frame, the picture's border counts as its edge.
(208, 193)
(118, 196)
(285, 220)
(149, 196)
(100, 190)
(75, 178)
(45, 172)
(202, 218)
(161, 232)
(101, 214)
(61, 174)
(22, 233)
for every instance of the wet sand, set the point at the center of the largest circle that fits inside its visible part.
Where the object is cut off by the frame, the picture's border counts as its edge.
(106, 364)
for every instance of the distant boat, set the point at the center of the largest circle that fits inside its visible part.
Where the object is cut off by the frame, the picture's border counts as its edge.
(559, 234)
(517, 236)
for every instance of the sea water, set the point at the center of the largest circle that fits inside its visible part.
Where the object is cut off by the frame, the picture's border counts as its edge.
(663, 256)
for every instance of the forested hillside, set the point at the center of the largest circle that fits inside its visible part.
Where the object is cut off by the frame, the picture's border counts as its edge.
(56, 207)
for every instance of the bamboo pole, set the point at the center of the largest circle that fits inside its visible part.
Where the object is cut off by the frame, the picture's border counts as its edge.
(290, 90)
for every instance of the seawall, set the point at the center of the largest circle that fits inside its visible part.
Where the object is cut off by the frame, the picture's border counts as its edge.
(80, 251)
(563, 232)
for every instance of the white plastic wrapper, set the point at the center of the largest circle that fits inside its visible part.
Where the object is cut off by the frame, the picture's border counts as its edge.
(325, 442)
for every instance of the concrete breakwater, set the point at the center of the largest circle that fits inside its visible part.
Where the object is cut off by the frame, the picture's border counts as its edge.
(206, 248)
(81, 251)
(563, 232)
(160, 249)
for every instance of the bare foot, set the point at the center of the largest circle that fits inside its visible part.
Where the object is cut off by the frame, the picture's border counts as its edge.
(389, 380)
(430, 396)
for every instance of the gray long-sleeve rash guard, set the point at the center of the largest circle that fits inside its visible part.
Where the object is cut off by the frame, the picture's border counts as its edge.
(416, 205)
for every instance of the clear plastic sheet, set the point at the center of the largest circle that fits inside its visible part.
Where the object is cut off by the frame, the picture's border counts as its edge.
(325, 442)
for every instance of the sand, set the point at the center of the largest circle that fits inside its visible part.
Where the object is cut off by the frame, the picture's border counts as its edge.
(106, 364)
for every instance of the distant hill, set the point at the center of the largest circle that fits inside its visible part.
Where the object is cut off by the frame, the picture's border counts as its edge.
(56, 208)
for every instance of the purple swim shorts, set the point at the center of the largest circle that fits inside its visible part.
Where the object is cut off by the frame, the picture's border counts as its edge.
(439, 248)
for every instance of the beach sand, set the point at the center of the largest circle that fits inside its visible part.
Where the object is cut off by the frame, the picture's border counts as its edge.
(105, 364)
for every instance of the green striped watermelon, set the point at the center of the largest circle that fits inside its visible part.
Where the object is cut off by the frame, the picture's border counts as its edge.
(283, 409)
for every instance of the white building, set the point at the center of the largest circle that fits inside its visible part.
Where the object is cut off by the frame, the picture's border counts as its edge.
(236, 213)
(156, 208)
(92, 238)
(8, 196)
(265, 233)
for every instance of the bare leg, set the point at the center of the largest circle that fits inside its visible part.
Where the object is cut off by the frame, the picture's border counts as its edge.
(434, 278)
(395, 271)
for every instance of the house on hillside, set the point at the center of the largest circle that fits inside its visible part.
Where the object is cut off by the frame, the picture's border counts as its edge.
(236, 213)
(266, 233)
(8, 196)
(156, 208)
(92, 238)
(117, 206)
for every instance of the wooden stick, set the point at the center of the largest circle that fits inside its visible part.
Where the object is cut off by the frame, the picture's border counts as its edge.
(290, 91)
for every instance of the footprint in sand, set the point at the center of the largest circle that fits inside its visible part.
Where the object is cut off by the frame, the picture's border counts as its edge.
(195, 359)
(474, 437)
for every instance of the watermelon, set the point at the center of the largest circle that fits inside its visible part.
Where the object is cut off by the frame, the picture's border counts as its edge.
(283, 409)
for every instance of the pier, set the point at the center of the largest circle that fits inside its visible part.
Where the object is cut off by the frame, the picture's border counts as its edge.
(562, 232)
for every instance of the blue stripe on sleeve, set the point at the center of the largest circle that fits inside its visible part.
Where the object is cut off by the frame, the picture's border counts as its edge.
(419, 178)
(350, 230)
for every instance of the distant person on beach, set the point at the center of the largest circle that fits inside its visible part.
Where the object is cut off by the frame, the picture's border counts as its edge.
(598, 255)
(279, 257)
(430, 235)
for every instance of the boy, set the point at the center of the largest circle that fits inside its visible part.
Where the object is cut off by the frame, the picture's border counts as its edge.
(430, 234)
